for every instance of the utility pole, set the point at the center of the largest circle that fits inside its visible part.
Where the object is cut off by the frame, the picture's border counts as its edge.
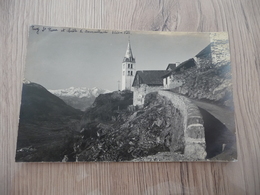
(118, 85)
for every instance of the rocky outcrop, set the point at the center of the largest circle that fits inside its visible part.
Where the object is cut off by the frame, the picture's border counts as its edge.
(132, 134)
(210, 78)
(164, 124)
(212, 84)
(107, 107)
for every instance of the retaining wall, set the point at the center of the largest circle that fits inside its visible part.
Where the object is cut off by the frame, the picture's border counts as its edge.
(194, 133)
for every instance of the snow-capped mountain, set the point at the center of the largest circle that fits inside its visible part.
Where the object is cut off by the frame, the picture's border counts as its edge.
(79, 92)
(79, 97)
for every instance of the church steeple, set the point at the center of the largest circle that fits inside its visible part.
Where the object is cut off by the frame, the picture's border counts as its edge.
(128, 68)
(128, 54)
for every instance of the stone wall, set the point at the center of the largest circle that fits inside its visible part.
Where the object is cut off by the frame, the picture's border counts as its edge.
(140, 93)
(219, 48)
(194, 133)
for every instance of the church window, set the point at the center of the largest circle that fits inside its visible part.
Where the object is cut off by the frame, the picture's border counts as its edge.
(128, 72)
(131, 73)
(128, 65)
(131, 65)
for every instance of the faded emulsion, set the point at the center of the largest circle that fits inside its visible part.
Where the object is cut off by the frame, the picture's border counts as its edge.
(109, 95)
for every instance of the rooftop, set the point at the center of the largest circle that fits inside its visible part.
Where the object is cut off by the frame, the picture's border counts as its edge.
(186, 64)
(205, 51)
(149, 77)
(171, 66)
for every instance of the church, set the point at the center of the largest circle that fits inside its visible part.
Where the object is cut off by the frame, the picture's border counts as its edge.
(128, 69)
(140, 82)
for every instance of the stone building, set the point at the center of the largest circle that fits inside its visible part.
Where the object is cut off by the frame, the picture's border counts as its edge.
(146, 81)
(171, 80)
(128, 69)
(219, 49)
(215, 54)
(172, 66)
(204, 59)
(185, 65)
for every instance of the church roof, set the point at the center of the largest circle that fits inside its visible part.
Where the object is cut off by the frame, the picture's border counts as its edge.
(128, 54)
(149, 77)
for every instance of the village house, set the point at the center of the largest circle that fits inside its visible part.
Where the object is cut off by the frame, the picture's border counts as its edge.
(202, 60)
(146, 81)
(172, 66)
(171, 80)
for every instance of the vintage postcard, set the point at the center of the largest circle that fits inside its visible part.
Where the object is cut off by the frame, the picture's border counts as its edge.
(109, 95)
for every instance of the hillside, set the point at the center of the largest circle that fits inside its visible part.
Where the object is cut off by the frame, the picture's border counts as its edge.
(107, 106)
(38, 104)
(207, 83)
(114, 131)
(46, 126)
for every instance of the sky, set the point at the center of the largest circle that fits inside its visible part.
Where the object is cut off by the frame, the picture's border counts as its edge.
(59, 60)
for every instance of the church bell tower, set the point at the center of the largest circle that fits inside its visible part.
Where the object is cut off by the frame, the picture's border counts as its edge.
(128, 69)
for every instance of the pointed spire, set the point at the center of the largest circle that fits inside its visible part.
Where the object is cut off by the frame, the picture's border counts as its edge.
(128, 54)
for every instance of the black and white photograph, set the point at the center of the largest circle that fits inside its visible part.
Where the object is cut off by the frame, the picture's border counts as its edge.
(126, 96)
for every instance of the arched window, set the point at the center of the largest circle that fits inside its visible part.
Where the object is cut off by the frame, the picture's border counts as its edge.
(131, 73)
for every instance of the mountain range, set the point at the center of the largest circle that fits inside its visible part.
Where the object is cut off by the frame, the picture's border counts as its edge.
(79, 97)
